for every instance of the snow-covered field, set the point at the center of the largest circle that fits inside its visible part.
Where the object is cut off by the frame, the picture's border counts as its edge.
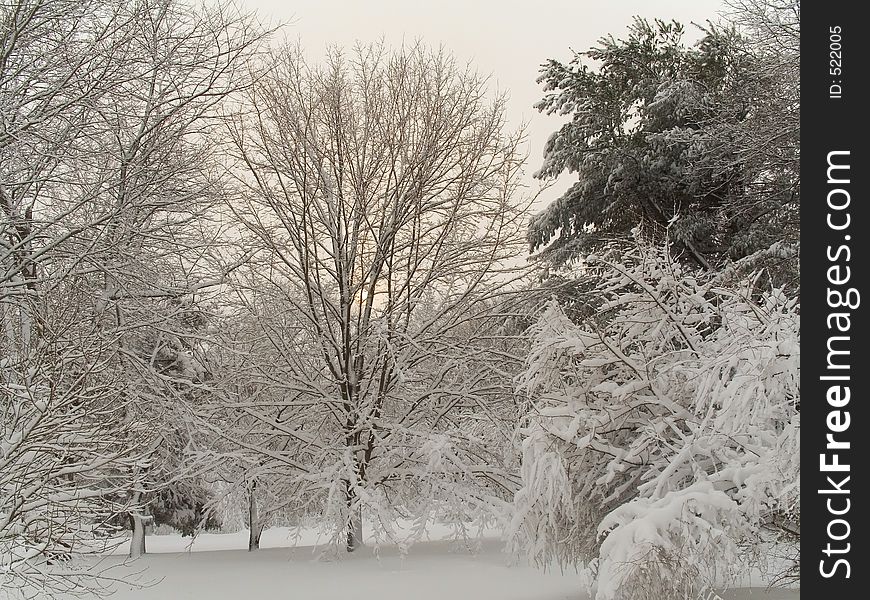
(217, 567)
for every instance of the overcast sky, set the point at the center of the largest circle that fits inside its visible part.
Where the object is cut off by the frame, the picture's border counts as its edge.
(505, 39)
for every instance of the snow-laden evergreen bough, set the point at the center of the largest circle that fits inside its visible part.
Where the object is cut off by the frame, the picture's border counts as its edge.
(661, 445)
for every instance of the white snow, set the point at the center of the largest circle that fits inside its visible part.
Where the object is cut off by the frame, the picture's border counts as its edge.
(431, 570)
(217, 567)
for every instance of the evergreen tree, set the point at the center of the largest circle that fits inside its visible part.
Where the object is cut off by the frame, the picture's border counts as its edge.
(666, 133)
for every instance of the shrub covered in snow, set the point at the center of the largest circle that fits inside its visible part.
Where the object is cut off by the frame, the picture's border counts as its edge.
(662, 435)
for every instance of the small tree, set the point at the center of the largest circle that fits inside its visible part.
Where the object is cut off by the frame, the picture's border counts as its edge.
(244, 443)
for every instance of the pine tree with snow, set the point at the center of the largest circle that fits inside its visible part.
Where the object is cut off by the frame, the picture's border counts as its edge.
(700, 139)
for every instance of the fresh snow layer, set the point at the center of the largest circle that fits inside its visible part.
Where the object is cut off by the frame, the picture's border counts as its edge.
(430, 571)
(217, 567)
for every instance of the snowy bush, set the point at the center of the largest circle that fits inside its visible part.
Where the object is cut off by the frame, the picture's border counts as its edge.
(661, 443)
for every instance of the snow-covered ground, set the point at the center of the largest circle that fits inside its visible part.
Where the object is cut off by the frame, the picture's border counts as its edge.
(432, 570)
(217, 567)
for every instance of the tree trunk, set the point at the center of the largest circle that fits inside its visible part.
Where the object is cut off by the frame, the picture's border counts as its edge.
(137, 542)
(354, 520)
(137, 525)
(254, 525)
(354, 532)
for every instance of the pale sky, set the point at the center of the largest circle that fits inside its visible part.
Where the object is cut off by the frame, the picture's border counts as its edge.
(507, 39)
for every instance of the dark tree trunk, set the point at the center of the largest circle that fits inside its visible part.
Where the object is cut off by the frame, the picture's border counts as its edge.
(137, 526)
(354, 520)
(254, 525)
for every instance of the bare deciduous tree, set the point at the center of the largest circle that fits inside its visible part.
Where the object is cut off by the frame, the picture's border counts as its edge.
(105, 182)
(382, 192)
